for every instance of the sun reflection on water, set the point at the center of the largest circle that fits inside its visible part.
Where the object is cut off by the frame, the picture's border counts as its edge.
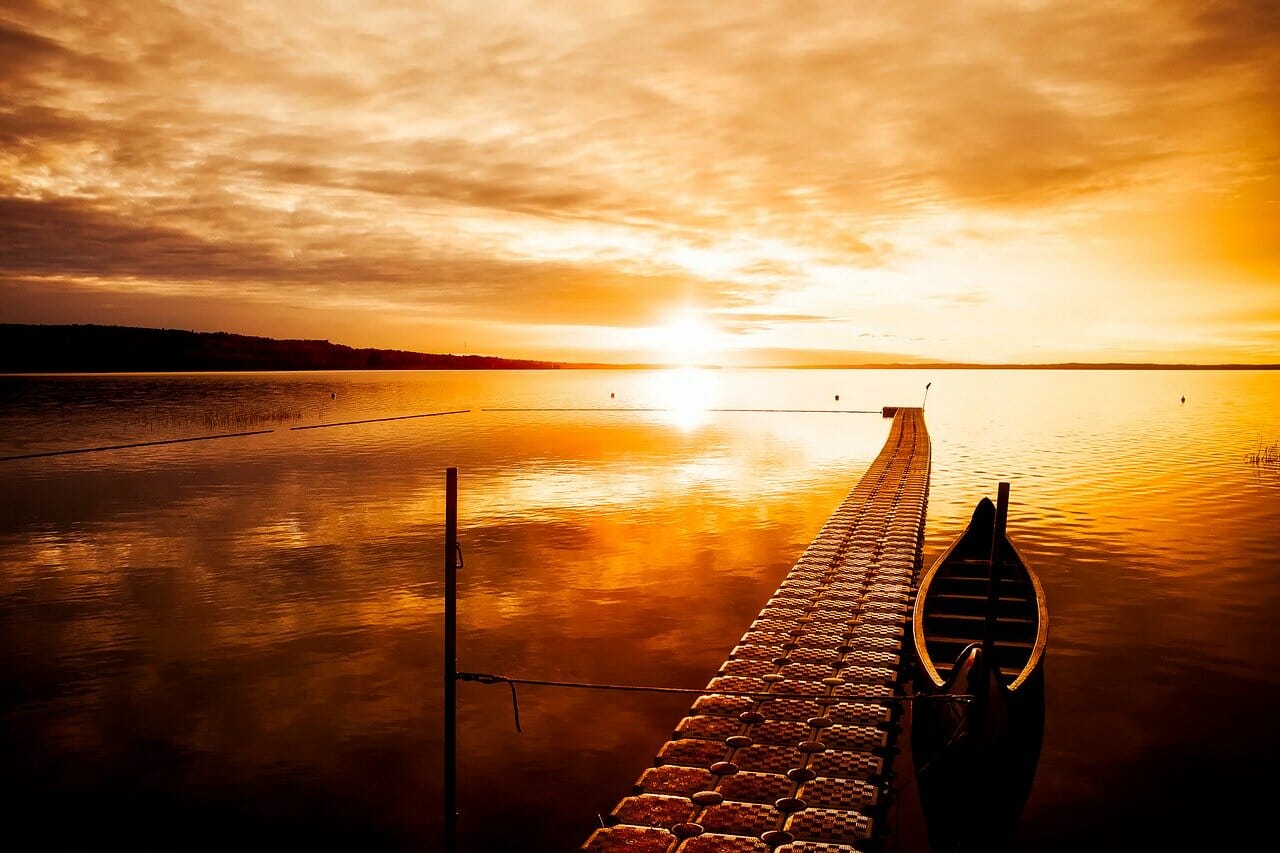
(686, 395)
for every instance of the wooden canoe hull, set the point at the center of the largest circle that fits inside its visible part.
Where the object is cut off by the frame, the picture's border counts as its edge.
(975, 760)
(973, 777)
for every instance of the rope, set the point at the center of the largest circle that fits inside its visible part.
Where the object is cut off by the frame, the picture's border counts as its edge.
(212, 437)
(408, 417)
(379, 420)
(134, 444)
(642, 409)
(491, 678)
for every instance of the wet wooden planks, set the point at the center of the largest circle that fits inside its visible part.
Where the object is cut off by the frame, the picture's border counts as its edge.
(802, 772)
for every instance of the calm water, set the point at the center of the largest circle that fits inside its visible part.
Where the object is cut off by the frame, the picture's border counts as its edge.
(237, 642)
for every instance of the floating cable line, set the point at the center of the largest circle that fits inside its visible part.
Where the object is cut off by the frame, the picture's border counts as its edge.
(377, 420)
(490, 678)
(134, 444)
(211, 437)
(694, 408)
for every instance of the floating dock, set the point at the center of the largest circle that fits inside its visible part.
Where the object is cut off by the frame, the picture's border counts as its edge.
(804, 772)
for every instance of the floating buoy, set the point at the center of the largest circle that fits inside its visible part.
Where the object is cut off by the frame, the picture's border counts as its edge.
(837, 396)
(610, 395)
(1184, 399)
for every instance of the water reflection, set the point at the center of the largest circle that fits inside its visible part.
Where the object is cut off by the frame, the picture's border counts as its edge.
(686, 393)
(230, 643)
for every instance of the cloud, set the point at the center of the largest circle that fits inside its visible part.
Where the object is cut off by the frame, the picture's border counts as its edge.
(812, 357)
(32, 56)
(553, 162)
(739, 322)
(67, 242)
(965, 297)
(61, 237)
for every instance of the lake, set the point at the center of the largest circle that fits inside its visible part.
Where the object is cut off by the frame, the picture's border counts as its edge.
(238, 641)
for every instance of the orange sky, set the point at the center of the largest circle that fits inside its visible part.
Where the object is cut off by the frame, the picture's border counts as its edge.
(730, 182)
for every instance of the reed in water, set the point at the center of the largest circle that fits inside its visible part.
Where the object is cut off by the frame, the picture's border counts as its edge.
(227, 419)
(1266, 456)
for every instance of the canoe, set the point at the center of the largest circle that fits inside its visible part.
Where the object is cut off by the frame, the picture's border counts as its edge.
(982, 641)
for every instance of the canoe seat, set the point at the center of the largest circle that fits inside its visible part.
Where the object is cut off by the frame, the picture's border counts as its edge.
(961, 642)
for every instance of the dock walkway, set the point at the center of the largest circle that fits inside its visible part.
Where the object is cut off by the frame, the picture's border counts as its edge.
(804, 772)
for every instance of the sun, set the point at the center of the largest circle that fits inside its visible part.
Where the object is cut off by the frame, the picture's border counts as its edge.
(686, 341)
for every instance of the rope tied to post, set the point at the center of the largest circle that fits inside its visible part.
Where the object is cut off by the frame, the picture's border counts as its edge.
(488, 678)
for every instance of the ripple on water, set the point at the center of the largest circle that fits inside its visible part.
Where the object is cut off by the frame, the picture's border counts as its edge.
(272, 605)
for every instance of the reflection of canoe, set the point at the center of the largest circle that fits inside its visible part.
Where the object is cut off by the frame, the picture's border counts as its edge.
(975, 760)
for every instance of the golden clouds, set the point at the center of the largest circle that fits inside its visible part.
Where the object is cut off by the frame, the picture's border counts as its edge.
(520, 166)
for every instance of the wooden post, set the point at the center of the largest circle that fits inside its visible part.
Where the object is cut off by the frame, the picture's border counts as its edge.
(993, 576)
(451, 661)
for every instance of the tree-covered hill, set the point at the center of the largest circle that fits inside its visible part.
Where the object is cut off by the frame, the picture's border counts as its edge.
(115, 349)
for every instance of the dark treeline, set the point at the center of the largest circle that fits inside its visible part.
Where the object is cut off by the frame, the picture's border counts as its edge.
(88, 348)
(121, 349)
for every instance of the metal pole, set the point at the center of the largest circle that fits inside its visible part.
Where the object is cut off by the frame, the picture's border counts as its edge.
(451, 661)
(993, 575)
(988, 668)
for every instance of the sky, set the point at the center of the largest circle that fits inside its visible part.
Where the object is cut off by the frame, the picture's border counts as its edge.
(588, 180)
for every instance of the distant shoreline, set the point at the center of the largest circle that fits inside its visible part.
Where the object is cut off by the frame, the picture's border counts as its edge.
(95, 349)
(1068, 365)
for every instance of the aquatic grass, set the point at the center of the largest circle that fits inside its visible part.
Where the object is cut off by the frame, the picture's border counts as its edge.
(1265, 456)
(246, 418)
(224, 420)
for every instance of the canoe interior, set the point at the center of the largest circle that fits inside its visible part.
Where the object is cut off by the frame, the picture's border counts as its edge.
(952, 602)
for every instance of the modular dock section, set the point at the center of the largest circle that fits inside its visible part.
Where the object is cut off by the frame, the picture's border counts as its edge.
(806, 771)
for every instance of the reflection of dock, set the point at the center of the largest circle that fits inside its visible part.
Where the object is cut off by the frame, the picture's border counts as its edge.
(748, 773)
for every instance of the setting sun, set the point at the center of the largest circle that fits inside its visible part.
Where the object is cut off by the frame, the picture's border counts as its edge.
(685, 341)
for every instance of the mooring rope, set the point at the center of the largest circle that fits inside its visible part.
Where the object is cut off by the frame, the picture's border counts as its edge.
(510, 681)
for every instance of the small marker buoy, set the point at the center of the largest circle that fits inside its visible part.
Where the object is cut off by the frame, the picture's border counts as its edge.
(610, 395)
(837, 396)
(333, 395)
(1184, 399)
